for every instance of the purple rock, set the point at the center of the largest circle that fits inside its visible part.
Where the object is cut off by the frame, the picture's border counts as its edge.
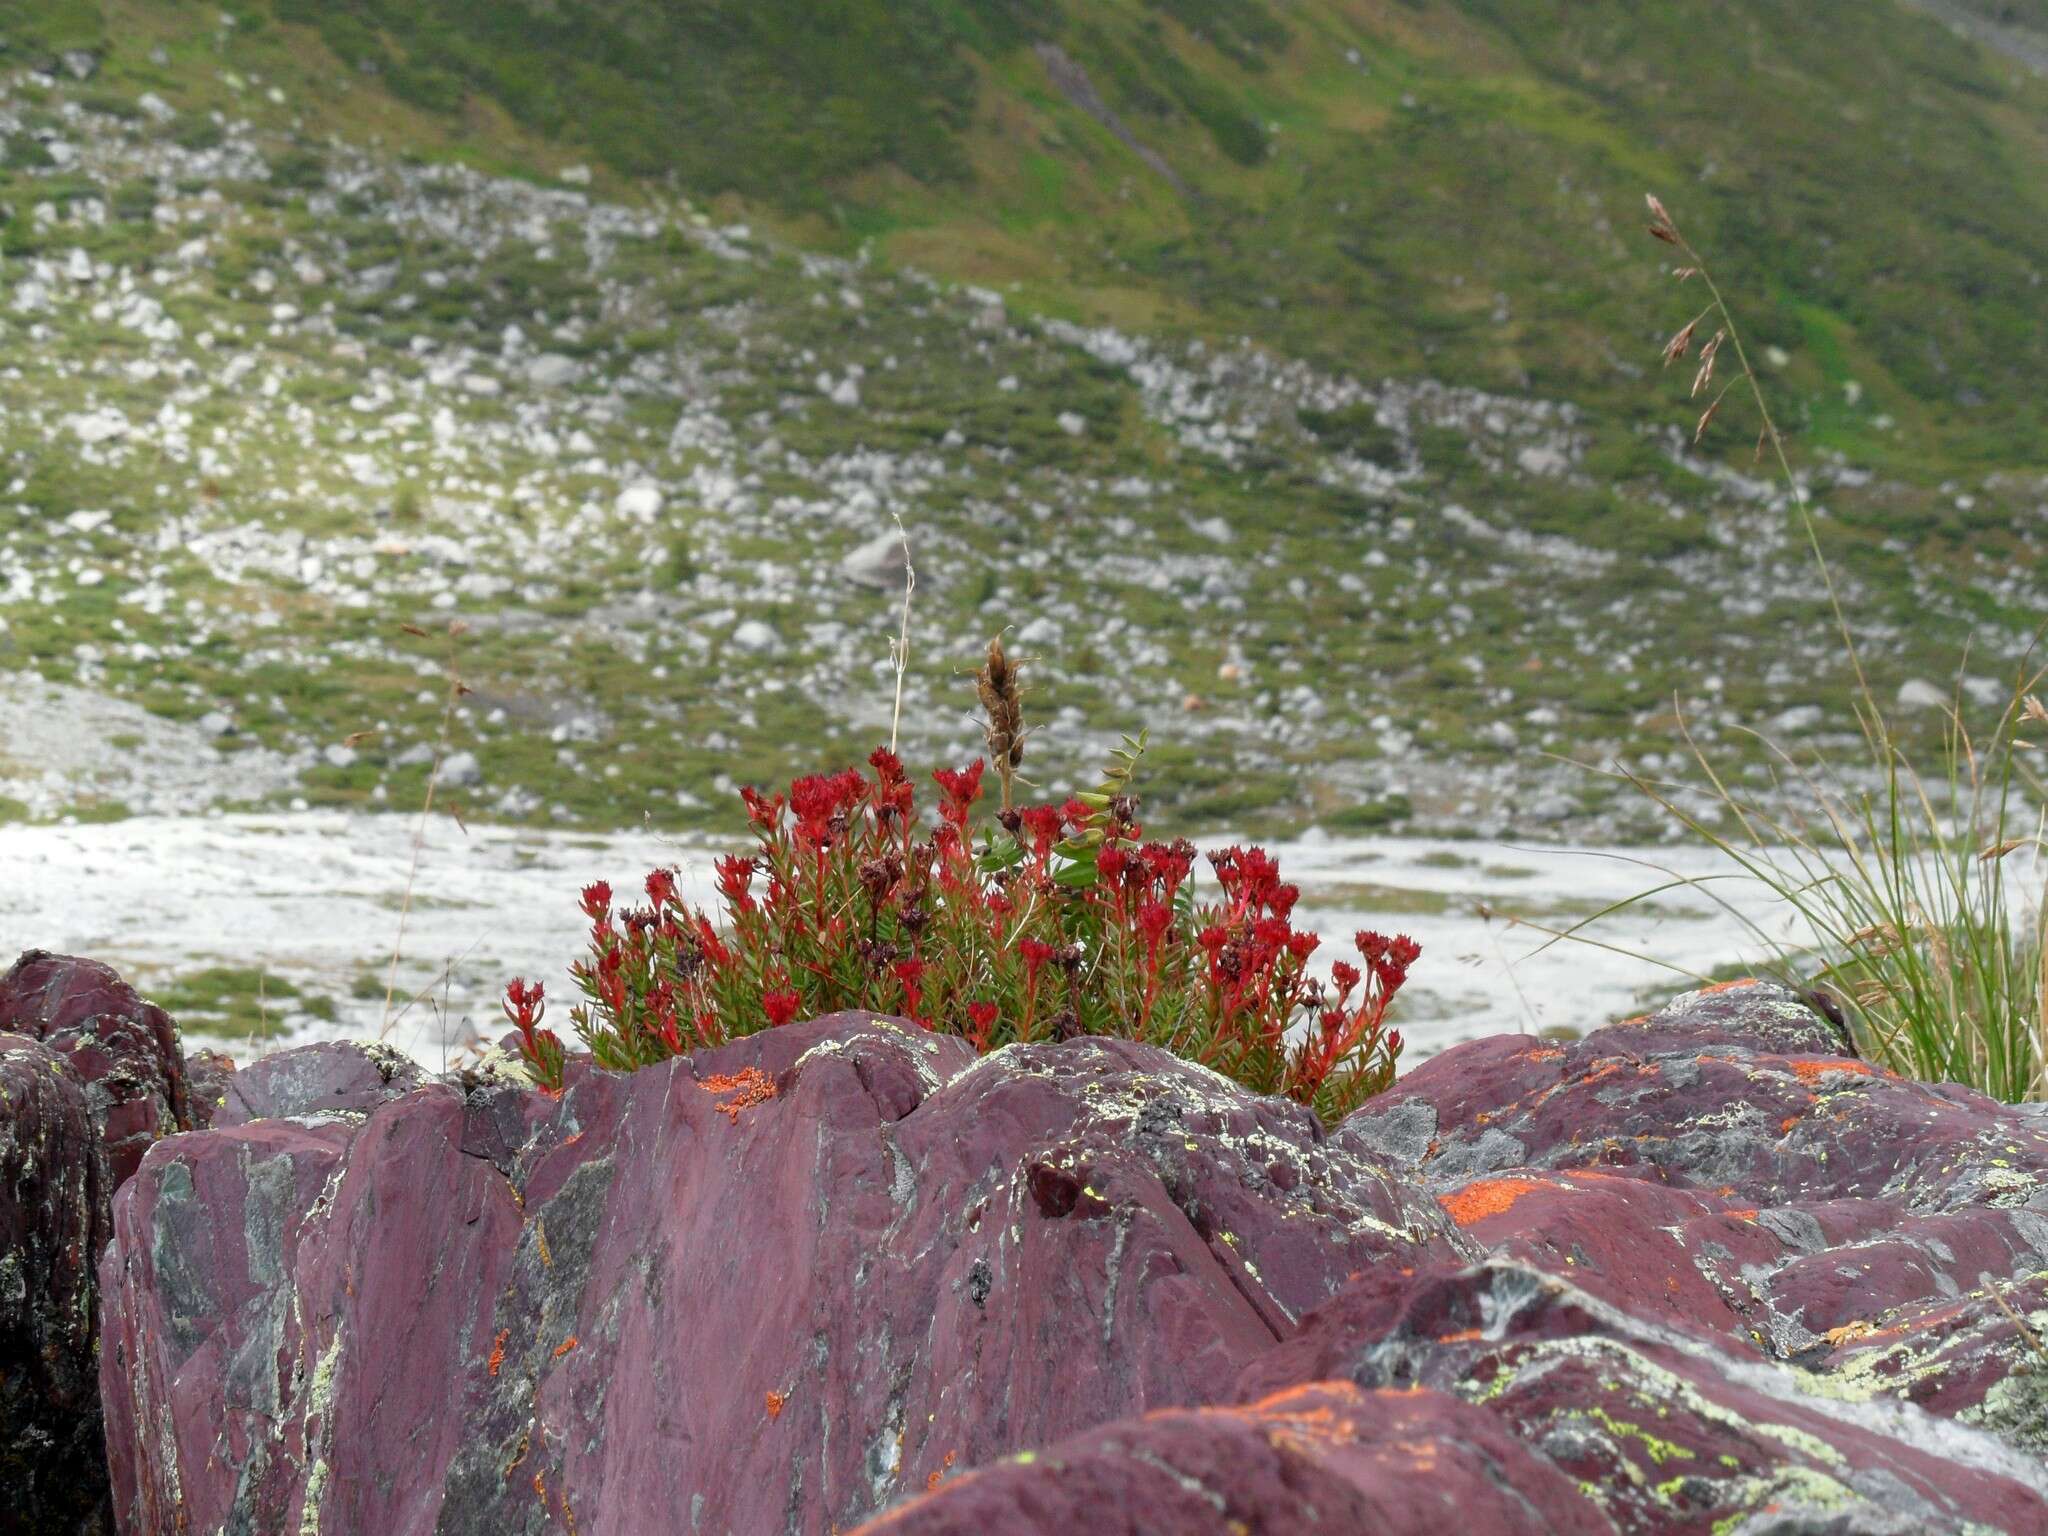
(54, 1190)
(124, 1050)
(1321, 1460)
(771, 1287)
(207, 1075)
(1692, 1273)
(338, 1077)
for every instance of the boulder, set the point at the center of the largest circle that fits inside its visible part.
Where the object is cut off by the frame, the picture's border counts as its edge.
(344, 1078)
(1702, 1271)
(54, 1190)
(1319, 1460)
(207, 1076)
(1735, 1278)
(124, 1050)
(770, 1287)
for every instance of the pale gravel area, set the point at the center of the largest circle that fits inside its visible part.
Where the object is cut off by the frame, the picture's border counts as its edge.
(313, 898)
(63, 748)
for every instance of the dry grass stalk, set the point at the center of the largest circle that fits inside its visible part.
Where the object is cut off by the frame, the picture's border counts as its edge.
(899, 648)
(457, 691)
(2020, 1324)
(1665, 228)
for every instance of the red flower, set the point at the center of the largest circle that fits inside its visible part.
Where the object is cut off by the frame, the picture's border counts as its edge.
(707, 941)
(597, 901)
(910, 973)
(524, 1005)
(822, 802)
(765, 814)
(1153, 921)
(982, 1016)
(1043, 823)
(661, 887)
(735, 876)
(780, 1007)
(961, 787)
(1034, 952)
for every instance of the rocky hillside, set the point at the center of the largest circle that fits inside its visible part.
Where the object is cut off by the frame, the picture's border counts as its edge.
(1278, 372)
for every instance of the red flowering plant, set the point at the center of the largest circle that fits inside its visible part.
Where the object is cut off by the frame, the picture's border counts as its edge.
(1036, 923)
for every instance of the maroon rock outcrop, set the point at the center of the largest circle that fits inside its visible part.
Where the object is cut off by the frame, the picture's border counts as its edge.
(54, 1191)
(1729, 1266)
(1697, 1272)
(771, 1287)
(124, 1050)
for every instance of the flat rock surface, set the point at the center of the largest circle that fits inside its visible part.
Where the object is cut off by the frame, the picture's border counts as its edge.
(1698, 1270)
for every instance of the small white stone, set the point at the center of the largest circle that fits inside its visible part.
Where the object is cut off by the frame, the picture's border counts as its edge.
(755, 638)
(642, 501)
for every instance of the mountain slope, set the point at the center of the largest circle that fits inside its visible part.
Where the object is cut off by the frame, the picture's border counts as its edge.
(1376, 184)
(1299, 405)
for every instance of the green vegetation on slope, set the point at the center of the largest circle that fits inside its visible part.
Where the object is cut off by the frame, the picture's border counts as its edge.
(1325, 584)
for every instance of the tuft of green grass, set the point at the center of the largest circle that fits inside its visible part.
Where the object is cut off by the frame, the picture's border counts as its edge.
(1918, 894)
(237, 1002)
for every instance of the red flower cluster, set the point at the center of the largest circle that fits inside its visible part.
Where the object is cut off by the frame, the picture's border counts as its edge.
(524, 1007)
(1056, 921)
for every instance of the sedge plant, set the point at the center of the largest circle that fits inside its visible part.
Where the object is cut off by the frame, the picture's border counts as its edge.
(1917, 882)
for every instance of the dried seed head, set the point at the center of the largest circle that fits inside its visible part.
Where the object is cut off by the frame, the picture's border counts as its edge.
(1706, 416)
(1705, 376)
(1002, 704)
(1680, 344)
(1661, 227)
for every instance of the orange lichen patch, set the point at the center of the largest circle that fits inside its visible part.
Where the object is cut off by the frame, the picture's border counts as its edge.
(568, 1514)
(1638, 1018)
(540, 1241)
(1462, 1336)
(1486, 1197)
(1811, 1069)
(1849, 1331)
(932, 1480)
(1746, 1213)
(1542, 1053)
(1785, 1125)
(565, 1346)
(775, 1402)
(498, 1350)
(749, 1086)
(1728, 986)
(540, 1486)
